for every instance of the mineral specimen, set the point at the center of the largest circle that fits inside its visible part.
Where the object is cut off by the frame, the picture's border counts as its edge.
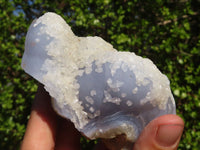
(106, 94)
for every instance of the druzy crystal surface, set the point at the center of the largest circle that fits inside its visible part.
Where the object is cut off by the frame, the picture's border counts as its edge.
(105, 93)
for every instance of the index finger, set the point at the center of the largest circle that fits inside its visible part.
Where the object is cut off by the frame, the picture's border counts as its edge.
(41, 129)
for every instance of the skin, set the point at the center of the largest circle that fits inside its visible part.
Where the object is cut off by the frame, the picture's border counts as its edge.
(48, 131)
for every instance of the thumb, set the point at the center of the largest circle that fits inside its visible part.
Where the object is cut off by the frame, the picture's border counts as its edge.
(163, 133)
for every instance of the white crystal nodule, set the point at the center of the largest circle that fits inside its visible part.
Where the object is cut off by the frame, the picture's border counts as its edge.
(104, 92)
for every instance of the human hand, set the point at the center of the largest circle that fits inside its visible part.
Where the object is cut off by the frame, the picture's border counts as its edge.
(163, 133)
(47, 131)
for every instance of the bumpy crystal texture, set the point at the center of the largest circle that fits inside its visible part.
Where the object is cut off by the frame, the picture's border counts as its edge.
(105, 93)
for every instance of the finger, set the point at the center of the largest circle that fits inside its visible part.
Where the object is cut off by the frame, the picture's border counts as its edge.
(67, 138)
(163, 133)
(41, 129)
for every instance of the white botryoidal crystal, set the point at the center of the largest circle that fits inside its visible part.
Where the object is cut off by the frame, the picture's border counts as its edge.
(105, 93)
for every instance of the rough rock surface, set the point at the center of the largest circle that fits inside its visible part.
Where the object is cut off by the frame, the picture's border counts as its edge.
(105, 93)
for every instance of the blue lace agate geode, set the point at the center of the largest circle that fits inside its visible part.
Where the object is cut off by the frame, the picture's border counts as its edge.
(106, 94)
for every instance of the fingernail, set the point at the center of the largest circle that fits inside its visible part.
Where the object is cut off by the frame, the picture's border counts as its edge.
(167, 135)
